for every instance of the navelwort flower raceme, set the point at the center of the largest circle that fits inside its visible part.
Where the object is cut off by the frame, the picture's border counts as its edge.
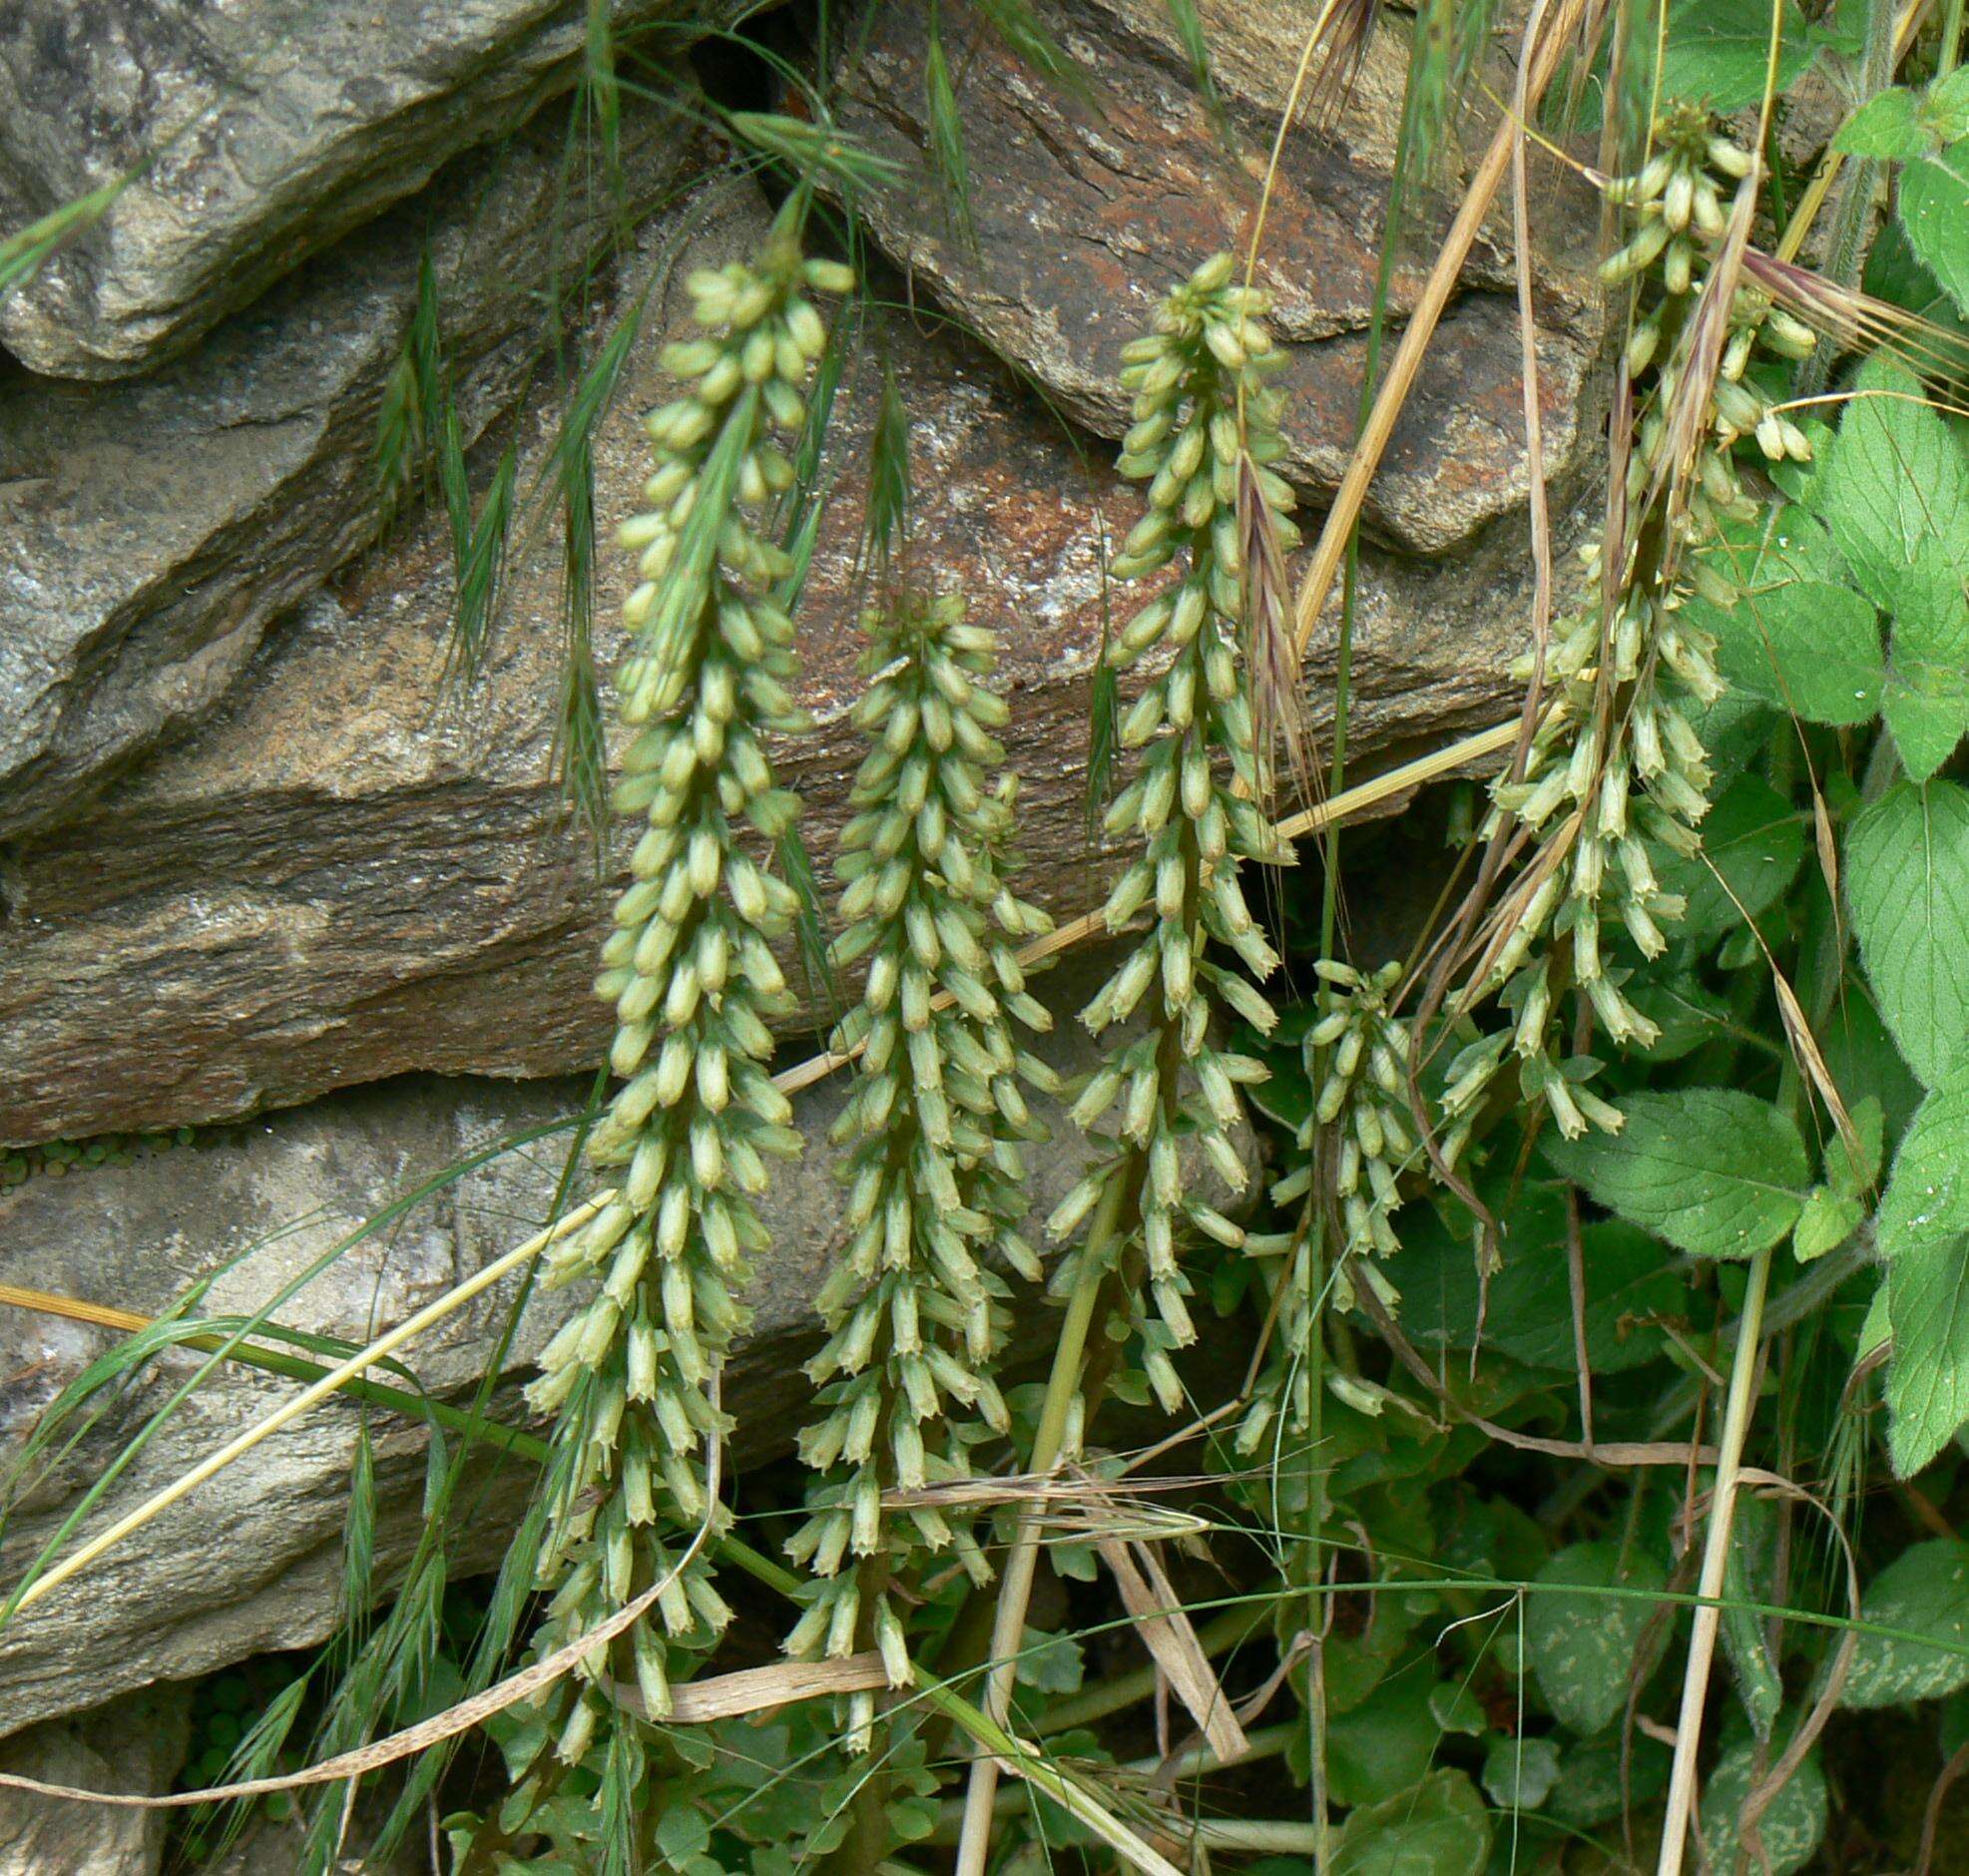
(1676, 205)
(1204, 416)
(1617, 773)
(1360, 1115)
(940, 1118)
(690, 973)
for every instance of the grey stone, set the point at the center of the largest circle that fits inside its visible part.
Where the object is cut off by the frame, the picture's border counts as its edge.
(356, 870)
(150, 530)
(132, 1746)
(254, 1212)
(1087, 209)
(253, 135)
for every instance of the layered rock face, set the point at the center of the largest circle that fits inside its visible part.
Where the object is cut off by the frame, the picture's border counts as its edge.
(284, 1213)
(263, 844)
(240, 140)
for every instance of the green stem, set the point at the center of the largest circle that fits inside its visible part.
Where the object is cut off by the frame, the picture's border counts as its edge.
(1197, 1762)
(1015, 1589)
(992, 1738)
(1951, 46)
(1846, 237)
(1716, 1559)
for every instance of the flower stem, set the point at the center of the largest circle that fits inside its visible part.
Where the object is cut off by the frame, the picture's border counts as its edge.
(1715, 1557)
(1015, 1591)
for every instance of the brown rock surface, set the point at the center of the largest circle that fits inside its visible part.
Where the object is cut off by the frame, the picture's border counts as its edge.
(342, 1218)
(253, 135)
(356, 870)
(150, 530)
(133, 1744)
(1086, 210)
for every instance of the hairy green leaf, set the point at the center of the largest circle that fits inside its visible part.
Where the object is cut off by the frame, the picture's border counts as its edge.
(1928, 1376)
(1827, 1220)
(1715, 1171)
(1718, 50)
(1923, 1235)
(1886, 125)
(1755, 839)
(1808, 647)
(1934, 209)
(1896, 475)
(1924, 1590)
(1927, 701)
(1585, 1648)
(1907, 890)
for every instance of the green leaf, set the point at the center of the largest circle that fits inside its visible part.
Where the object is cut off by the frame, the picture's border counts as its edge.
(1583, 1648)
(1923, 1235)
(1753, 1664)
(1866, 1060)
(1716, 51)
(1846, 1174)
(1907, 891)
(1927, 1202)
(1934, 212)
(1687, 1014)
(1808, 647)
(1927, 701)
(1593, 1787)
(1455, 1708)
(1790, 1831)
(1050, 1662)
(1755, 839)
(1945, 110)
(1384, 1745)
(1528, 1318)
(1834, 1210)
(1925, 1589)
(1928, 1374)
(1827, 1220)
(683, 1833)
(1896, 274)
(1886, 125)
(1519, 1774)
(912, 1819)
(1717, 1173)
(1897, 476)
(1438, 1829)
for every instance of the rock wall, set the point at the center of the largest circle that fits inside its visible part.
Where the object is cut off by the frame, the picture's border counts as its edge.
(265, 853)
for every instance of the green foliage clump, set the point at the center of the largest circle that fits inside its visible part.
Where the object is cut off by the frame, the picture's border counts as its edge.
(1491, 1485)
